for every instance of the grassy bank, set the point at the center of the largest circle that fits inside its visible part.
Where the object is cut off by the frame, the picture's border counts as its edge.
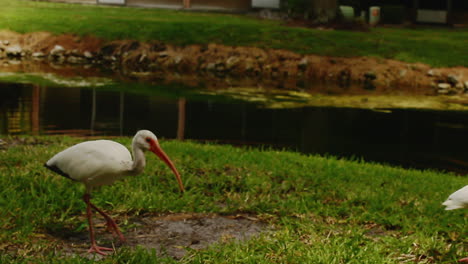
(437, 47)
(322, 210)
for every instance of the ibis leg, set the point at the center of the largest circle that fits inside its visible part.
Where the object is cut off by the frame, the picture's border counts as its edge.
(94, 246)
(463, 260)
(110, 223)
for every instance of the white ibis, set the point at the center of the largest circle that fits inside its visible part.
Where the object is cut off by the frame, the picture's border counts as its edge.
(457, 200)
(101, 162)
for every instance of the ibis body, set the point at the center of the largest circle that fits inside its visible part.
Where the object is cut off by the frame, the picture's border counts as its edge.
(458, 200)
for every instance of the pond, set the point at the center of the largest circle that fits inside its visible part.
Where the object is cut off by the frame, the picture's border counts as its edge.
(409, 138)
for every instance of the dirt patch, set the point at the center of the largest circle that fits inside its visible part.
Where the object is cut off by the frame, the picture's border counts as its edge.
(170, 235)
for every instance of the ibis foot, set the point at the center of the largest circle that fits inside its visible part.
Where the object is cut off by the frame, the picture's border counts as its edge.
(99, 250)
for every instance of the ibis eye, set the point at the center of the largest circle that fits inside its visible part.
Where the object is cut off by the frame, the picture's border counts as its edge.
(148, 140)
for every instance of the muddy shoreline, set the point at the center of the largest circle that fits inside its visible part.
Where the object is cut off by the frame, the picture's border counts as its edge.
(216, 65)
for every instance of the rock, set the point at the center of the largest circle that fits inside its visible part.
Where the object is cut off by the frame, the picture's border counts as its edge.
(142, 58)
(38, 55)
(232, 61)
(14, 51)
(370, 76)
(75, 53)
(220, 67)
(57, 54)
(75, 60)
(177, 59)
(430, 73)
(163, 54)
(444, 86)
(466, 85)
(452, 79)
(303, 63)
(57, 59)
(210, 66)
(110, 58)
(6, 42)
(57, 50)
(88, 55)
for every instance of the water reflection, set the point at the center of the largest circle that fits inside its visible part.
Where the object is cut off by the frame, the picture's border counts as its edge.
(421, 139)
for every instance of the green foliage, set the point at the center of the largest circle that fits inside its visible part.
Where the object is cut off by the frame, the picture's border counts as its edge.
(437, 47)
(322, 209)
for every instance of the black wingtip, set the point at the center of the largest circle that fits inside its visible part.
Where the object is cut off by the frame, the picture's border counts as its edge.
(57, 170)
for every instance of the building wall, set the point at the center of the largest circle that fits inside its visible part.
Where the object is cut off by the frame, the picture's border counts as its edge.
(73, 1)
(219, 4)
(195, 4)
(156, 3)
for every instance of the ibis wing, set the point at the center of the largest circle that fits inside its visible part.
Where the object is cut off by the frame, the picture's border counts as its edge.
(91, 159)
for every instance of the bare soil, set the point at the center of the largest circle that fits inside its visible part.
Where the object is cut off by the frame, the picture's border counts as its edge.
(218, 65)
(170, 235)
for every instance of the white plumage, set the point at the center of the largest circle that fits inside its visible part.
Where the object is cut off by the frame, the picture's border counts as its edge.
(457, 200)
(101, 162)
(94, 163)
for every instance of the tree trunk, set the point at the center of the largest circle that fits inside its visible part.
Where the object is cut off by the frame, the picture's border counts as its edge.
(323, 11)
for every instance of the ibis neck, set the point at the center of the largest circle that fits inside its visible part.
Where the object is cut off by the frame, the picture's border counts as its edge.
(139, 161)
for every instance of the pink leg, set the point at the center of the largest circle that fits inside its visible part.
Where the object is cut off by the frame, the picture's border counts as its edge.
(463, 260)
(94, 246)
(110, 223)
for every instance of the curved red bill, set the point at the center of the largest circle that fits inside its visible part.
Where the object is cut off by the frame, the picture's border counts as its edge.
(156, 149)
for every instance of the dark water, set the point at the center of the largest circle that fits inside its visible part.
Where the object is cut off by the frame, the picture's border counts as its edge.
(419, 139)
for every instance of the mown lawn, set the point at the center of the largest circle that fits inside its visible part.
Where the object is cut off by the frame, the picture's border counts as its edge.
(321, 209)
(434, 46)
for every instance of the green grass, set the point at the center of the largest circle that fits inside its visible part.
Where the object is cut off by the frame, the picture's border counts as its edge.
(323, 209)
(434, 46)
